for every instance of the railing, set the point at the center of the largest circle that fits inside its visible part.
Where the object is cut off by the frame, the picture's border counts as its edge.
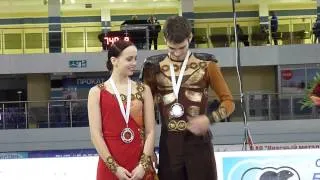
(73, 113)
(43, 114)
(207, 34)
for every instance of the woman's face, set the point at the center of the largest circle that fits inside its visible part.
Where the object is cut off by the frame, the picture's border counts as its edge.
(126, 62)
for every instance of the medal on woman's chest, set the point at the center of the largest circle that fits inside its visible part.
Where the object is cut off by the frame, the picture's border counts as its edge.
(177, 109)
(127, 134)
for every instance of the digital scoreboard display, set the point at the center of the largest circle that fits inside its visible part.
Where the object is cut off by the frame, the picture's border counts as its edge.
(107, 39)
(137, 37)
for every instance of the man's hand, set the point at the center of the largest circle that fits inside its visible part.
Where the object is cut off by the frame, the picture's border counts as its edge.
(137, 173)
(198, 125)
(122, 173)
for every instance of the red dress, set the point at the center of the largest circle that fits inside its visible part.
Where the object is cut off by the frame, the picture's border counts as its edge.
(126, 155)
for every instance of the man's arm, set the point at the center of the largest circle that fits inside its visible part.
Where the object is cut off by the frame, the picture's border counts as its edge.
(218, 84)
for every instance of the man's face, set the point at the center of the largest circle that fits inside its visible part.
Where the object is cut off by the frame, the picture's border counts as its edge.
(178, 51)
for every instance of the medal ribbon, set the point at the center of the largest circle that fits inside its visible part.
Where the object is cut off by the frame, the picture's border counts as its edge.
(125, 113)
(176, 85)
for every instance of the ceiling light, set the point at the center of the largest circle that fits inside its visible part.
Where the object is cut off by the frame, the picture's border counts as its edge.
(111, 0)
(72, 1)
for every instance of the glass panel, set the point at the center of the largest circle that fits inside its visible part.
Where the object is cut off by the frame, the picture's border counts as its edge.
(75, 39)
(38, 114)
(33, 40)
(92, 39)
(80, 114)
(13, 116)
(13, 41)
(59, 114)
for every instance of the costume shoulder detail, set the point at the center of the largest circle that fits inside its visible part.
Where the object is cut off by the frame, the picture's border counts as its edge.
(205, 57)
(140, 86)
(101, 86)
(155, 59)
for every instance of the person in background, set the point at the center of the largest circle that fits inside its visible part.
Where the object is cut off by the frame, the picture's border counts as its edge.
(316, 30)
(154, 29)
(134, 17)
(274, 27)
(241, 36)
(121, 119)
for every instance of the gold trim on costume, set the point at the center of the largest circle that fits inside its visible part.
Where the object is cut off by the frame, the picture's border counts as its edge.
(196, 77)
(223, 112)
(165, 68)
(145, 161)
(215, 116)
(193, 110)
(140, 87)
(219, 114)
(123, 97)
(138, 96)
(193, 65)
(180, 125)
(191, 86)
(168, 98)
(111, 164)
(101, 86)
(203, 65)
(175, 67)
(193, 95)
(165, 88)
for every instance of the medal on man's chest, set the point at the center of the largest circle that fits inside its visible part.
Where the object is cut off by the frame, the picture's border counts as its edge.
(177, 109)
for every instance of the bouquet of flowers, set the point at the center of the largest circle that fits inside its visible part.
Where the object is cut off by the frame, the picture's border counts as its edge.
(312, 97)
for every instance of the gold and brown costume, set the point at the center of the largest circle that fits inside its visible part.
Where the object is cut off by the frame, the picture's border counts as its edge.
(184, 155)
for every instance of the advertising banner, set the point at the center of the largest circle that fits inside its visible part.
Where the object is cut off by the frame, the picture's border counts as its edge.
(269, 165)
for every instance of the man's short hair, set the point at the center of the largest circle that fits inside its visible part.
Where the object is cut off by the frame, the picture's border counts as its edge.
(177, 29)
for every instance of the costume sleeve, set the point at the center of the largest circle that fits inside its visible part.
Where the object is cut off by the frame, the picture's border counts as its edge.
(218, 84)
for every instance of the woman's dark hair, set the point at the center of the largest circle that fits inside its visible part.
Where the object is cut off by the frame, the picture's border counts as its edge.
(115, 50)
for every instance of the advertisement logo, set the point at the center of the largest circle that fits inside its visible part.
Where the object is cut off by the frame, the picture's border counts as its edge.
(271, 173)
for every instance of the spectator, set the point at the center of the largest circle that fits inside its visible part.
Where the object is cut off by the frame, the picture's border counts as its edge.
(134, 17)
(274, 27)
(154, 28)
(241, 36)
(316, 30)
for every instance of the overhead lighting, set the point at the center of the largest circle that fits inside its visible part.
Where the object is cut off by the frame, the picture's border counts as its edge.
(111, 0)
(124, 0)
(72, 1)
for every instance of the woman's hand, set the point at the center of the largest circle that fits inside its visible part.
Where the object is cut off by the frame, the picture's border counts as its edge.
(138, 172)
(123, 174)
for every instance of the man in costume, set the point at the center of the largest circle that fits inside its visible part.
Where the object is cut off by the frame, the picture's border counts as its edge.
(179, 81)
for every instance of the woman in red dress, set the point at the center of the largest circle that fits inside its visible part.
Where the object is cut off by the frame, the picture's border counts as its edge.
(121, 119)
